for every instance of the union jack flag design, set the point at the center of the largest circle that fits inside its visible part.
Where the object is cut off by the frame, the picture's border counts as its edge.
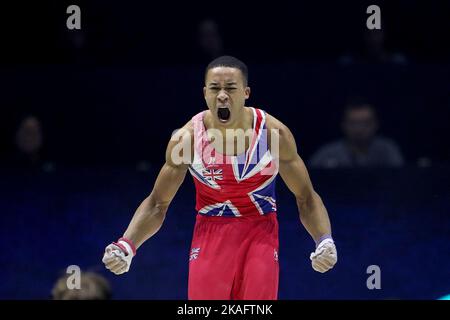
(235, 186)
(194, 254)
(212, 174)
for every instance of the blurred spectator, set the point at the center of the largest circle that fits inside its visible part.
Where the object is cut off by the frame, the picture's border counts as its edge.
(374, 51)
(92, 287)
(360, 147)
(209, 40)
(74, 46)
(29, 142)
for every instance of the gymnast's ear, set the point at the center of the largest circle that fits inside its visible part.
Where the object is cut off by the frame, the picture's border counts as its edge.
(247, 92)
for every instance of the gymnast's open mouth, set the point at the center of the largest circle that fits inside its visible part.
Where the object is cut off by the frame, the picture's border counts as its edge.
(223, 113)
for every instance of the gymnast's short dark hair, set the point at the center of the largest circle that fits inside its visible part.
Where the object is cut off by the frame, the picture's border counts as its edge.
(231, 62)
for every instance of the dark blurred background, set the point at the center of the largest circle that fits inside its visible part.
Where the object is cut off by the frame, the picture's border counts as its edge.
(85, 116)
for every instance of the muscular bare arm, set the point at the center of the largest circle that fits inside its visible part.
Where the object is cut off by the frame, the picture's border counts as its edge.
(312, 212)
(150, 215)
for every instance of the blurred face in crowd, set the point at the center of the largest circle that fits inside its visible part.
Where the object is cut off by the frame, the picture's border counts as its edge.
(92, 287)
(374, 39)
(209, 37)
(225, 93)
(360, 125)
(29, 135)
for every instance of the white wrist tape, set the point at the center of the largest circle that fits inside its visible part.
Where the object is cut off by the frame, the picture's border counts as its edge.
(127, 247)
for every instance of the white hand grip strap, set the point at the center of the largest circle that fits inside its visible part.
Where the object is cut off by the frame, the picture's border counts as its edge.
(127, 246)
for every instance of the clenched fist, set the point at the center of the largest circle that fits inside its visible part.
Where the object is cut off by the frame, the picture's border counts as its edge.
(325, 256)
(118, 256)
